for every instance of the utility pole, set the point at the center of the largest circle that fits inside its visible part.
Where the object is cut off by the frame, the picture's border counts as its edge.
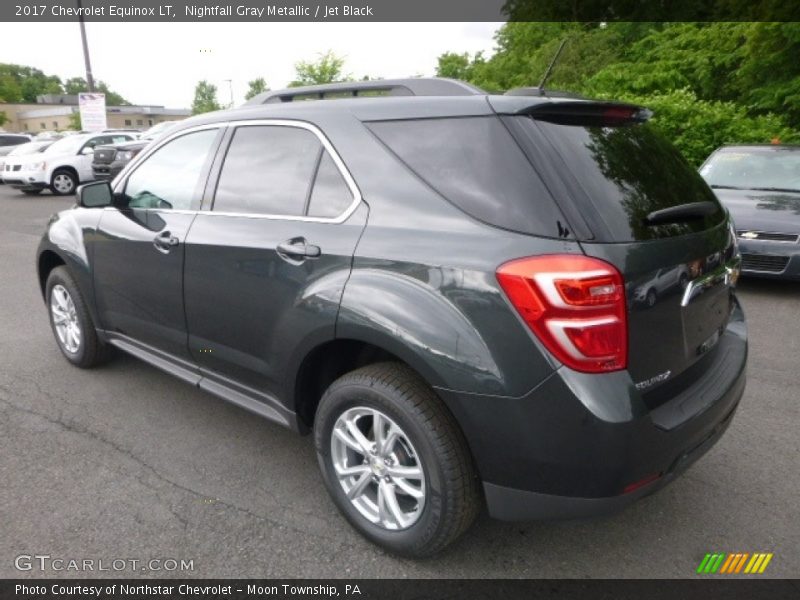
(89, 77)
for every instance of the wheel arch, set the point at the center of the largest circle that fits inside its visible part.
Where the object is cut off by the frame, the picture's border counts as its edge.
(330, 360)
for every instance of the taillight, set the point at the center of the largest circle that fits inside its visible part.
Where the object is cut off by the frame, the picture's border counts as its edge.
(575, 305)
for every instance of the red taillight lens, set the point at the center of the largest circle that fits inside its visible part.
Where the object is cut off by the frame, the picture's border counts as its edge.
(575, 305)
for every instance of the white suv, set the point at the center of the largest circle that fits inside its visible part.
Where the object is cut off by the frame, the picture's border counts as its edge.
(61, 167)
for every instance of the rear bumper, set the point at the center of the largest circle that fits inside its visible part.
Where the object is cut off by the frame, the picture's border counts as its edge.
(574, 445)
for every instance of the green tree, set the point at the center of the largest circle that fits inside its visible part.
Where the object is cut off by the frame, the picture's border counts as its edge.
(76, 85)
(75, 121)
(205, 98)
(3, 118)
(326, 69)
(256, 87)
(22, 84)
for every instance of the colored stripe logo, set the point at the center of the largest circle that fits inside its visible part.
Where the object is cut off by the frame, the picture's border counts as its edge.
(734, 563)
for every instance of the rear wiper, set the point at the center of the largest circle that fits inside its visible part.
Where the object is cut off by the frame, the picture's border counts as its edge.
(682, 212)
(775, 189)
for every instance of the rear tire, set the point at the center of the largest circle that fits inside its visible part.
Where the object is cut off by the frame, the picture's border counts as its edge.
(71, 322)
(424, 471)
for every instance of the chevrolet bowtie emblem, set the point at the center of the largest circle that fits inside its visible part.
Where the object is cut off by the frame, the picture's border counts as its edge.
(748, 235)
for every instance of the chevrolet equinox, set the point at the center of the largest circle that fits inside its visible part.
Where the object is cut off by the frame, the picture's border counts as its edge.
(522, 301)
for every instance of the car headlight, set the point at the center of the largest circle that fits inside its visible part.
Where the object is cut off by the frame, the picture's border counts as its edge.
(123, 155)
(40, 166)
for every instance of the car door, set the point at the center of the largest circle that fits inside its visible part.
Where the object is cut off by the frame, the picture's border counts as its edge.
(266, 265)
(138, 250)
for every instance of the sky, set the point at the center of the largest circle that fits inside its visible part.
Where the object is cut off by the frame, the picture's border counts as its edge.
(160, 63)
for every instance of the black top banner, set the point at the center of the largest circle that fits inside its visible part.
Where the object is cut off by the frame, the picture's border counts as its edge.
(397, 10)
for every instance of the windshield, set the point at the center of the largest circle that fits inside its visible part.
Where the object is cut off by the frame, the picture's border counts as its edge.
(770, 167)
(31, 148)
(67, 145)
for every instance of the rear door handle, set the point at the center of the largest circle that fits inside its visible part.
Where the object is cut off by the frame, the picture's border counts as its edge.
(298, 249)
(164, 242)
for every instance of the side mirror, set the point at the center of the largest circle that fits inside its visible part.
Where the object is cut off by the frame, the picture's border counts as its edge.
(87, 150)
(96, 194)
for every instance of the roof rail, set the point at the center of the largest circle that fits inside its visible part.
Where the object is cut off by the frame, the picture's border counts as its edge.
(415, 86)
(537, 91)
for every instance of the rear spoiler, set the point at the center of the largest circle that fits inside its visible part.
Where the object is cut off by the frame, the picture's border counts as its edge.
(588, 113)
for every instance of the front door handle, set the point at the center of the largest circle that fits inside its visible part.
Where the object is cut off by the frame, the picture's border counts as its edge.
(297, 250)
(164, 242)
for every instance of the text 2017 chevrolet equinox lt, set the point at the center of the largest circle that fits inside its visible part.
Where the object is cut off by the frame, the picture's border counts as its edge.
(439, 284)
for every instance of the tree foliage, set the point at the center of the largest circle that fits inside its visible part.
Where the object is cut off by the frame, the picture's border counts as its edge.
(709, 83)
(76, 85)
(205, 98)
(256, 87)
(326, 69)
(22, 84)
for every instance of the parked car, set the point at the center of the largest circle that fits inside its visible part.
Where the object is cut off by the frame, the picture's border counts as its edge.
(62, 166)
(109, 160)
(21, 150)
(432, 281)
(9, 141)
(760, 186)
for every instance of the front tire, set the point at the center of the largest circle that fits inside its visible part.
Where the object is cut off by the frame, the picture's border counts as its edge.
(394, 460)
(63, 182)
(70, 321)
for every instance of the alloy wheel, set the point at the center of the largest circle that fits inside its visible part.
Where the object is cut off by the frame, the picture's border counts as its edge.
(378, 468)
(63, 183)
(65, 319)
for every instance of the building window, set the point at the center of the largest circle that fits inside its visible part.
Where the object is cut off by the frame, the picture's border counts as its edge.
(25, 126)
(139, 122)
(55, 124)
(127, 122)
(43, 126)
(150, 122)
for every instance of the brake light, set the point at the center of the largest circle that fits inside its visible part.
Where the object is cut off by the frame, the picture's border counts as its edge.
(575, 305)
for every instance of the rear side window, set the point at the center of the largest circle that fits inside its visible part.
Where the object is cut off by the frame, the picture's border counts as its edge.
(475, 164)
(330, 196)
(617, 175)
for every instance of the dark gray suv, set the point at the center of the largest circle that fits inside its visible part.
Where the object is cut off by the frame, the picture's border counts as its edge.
(452, 290)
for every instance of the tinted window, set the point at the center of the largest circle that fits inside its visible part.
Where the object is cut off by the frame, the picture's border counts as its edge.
(268, 170)
(330, 196)
(475, 164)
(621, 174)
(12, 140)
(170, 177)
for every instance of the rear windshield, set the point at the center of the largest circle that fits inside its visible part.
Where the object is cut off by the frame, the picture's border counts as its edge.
(617, 175)
(474, 163)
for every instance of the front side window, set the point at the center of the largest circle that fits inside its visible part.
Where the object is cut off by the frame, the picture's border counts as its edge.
(171, 176)
(280, 170)
(267, 170)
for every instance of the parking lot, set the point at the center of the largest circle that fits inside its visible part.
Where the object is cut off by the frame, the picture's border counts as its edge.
(127, 462)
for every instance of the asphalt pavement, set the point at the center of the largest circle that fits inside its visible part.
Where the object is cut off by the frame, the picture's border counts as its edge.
(126, 463)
